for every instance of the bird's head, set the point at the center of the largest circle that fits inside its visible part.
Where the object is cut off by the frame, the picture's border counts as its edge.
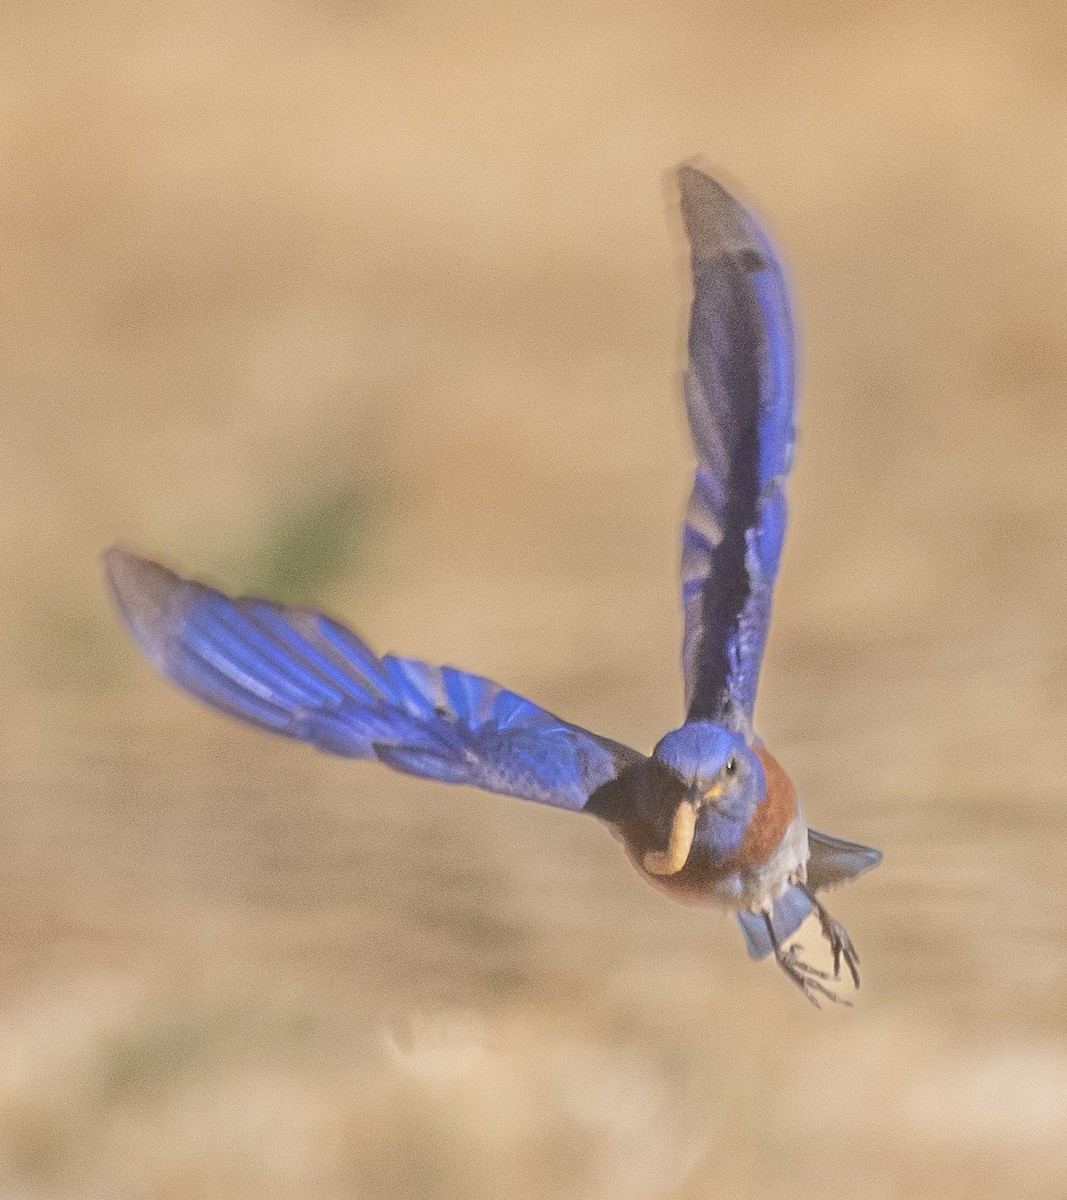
(721, 782)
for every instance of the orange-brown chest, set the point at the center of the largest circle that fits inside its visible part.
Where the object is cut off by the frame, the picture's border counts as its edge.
(699, 878)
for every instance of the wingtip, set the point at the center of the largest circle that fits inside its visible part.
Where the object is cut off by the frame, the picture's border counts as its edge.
(715, 222)
(694, 181)
(869, 857)
(147, 596)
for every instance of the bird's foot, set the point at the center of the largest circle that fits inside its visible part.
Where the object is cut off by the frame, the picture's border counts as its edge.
(841, 947)
(811, 981)
(840, 943)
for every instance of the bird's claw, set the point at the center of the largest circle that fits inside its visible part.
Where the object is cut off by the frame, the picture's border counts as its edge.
(810, 980)
(841, 946)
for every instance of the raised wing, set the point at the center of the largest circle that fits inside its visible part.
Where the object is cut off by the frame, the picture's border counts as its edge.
(296, 672)
(739, 396)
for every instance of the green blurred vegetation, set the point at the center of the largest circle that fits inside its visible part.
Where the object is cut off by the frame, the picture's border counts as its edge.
(313, 545)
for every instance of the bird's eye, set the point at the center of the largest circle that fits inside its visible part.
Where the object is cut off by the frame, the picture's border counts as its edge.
(731, 766)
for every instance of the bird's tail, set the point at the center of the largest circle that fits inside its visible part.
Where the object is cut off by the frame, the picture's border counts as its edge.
(788, 914)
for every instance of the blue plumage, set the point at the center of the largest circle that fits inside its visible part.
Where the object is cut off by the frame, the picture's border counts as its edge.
(296, 672)
(739, 395)
(710, 816)
(791, 910)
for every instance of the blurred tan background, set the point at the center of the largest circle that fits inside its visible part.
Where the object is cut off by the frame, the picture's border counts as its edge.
(380, 306)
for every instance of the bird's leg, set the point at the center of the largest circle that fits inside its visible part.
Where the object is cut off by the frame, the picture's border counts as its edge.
(806, 977)
(840, 943)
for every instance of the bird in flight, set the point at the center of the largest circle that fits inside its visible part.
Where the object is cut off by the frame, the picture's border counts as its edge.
(709, 817)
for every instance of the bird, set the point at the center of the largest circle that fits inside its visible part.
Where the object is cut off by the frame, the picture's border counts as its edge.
(709, 817)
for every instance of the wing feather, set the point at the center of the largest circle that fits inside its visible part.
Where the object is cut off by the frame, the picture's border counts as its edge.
(739, 399)
(833, 861)
(296, 672)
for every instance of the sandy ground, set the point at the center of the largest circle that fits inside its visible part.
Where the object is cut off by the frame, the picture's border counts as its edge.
(380, 306)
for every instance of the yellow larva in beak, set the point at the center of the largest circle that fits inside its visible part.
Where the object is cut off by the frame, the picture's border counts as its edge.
(671, 860)
(680, 842)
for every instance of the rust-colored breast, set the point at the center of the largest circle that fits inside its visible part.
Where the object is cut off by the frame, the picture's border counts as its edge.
(771, 819)
(696, 881)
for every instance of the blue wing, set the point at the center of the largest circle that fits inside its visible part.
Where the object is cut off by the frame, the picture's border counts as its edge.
(739, 397)
(296, 672)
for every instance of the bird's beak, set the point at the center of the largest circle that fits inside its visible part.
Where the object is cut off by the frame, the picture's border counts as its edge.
(680, 842)
(714, 792)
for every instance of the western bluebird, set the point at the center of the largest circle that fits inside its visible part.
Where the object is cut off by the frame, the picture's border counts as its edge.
(709, 816)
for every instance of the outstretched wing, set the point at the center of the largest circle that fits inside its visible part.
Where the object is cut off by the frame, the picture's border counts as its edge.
(739, 396)
(296, 672)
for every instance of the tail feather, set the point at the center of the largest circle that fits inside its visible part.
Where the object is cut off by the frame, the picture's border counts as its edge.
(787, 916)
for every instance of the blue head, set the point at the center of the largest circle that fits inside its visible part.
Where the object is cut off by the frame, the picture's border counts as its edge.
(722, 777)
